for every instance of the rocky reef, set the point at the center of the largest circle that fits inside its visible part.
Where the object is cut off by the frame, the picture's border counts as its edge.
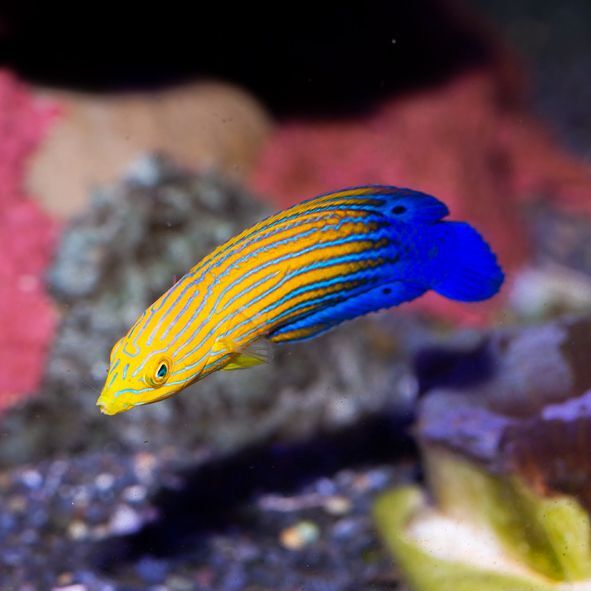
(506, 456)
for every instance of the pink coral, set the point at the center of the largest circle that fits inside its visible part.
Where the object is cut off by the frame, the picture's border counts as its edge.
(27, 237)
(480, 154)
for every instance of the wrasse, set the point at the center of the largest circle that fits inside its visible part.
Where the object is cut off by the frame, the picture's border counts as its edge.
(294, 276)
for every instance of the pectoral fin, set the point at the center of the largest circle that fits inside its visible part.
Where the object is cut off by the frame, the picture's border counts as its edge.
(243, 362)
(254, 354)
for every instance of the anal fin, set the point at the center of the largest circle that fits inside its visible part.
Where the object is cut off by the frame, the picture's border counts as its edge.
(377, 298)
(285, 335)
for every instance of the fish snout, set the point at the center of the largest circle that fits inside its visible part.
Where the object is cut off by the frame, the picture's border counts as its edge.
(104, 408)
(111, 407)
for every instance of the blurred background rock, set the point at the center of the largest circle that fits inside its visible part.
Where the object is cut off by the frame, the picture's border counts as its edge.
(111, 264)
(92, 144)
(506, 458)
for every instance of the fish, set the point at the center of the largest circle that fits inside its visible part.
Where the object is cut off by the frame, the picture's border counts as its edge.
(292, 277)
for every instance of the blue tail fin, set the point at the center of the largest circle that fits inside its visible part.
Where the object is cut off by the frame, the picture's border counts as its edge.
(464, 266)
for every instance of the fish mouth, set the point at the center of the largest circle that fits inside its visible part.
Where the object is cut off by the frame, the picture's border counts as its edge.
(104, 408)
(110, 409)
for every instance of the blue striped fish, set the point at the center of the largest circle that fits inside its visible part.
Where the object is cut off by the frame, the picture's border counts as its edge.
(292, 277)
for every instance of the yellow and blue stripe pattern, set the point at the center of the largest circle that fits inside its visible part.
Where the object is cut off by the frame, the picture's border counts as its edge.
(291, 277)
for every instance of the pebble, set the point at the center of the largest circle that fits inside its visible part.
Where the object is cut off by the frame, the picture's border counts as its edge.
(337, 505)
(204, 576)
(5, 480)
(104, 481)
(31, 479)
(29, 536)
(81, 496)
(96, 514)
(235, 578)
(325, 487)
(78, 530)
(100, 532)
(124, 521)
(38, 517)
(65, 579)
(299, 535)
(345, 528)
(370, 481)
(152, 570)
(17, 504)
(178, 583)
(145, 463)
(135, 493)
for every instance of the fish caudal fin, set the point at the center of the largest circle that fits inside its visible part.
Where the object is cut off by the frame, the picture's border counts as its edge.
(464, 268)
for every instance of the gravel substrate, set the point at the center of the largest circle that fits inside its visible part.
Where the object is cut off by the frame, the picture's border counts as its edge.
(101, 522)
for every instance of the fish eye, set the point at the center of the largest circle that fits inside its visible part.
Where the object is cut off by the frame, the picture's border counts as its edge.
(160, 373)
(398, 209)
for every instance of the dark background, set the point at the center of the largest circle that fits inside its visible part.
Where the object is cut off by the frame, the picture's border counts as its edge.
(308, 57)
(298, 57)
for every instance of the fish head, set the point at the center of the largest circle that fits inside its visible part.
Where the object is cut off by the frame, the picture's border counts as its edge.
(137, 377)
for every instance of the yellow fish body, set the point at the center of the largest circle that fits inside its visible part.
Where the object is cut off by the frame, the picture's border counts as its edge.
(293, 276)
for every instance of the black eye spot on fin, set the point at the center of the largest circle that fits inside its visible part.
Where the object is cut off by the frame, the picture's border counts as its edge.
(387, 290)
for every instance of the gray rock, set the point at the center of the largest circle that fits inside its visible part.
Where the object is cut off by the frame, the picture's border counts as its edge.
(113, 262)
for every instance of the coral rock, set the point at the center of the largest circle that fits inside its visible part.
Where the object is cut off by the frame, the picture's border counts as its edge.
(99, 136)
(27, 236)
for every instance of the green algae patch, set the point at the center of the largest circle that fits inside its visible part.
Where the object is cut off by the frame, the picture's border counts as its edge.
(424, 570)
(551, 535)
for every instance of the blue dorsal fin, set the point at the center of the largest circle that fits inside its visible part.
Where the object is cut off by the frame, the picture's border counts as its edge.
(396, 203)
(407, 205)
